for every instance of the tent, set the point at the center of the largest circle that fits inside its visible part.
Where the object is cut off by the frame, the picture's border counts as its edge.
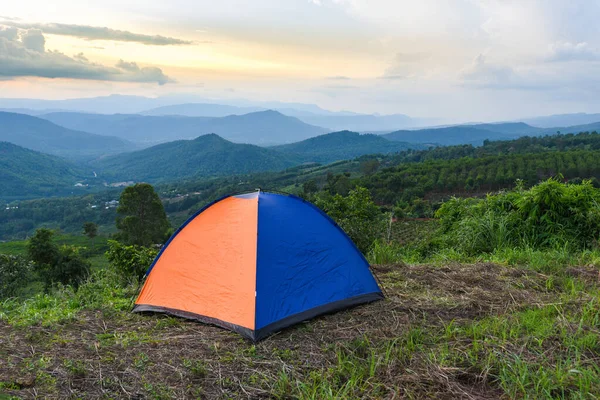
(256, 263)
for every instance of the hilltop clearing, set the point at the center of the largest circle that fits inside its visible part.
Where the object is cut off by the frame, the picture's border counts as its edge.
(452, 331)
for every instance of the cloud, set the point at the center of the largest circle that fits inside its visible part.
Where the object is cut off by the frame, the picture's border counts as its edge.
(567, 51)
(33, 39)
(485, 75)
(97, 33)
(26, 55)
(392, 77)
(338, 78)
(482, 74)
(404, 65)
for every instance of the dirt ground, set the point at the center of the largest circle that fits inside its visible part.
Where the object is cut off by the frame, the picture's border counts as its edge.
(125, 355)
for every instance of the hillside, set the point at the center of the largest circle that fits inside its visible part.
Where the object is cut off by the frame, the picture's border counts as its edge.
(343, 145)
(449, 136)
(26, 174)
(510, 128)
(362, 122)
(41, 135)
(265, 127)
(563, 120)
(208, 155)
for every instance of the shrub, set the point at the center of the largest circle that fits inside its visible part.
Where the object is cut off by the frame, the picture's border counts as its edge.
(357, 215)
(14, 274)
(131, 262)
(547, 216)
(62, 265)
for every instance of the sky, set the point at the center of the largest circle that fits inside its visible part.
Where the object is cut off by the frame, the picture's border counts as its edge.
(462, 60)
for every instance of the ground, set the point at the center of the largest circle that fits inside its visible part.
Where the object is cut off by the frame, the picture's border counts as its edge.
(454, 331)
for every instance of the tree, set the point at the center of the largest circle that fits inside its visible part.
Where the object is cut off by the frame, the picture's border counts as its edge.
(90, 229)
(56, 265)
(142, 219)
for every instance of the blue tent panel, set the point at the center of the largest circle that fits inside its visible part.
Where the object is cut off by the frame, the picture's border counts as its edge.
(306, 265)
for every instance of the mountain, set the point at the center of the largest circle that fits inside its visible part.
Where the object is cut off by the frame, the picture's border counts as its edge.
(449, 136)
(264, 127)
(574, 129)
(475, 134)
(343, 145)
(208, 155)
(29, 111)
(201, 110)
(563, 120)
(26, 173)
(41, 135)
(509, 128)
(116, 103)
(104, 104)
(361, 122)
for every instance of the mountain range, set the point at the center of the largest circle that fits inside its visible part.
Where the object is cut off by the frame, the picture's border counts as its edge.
(263, 127)
(42, 135)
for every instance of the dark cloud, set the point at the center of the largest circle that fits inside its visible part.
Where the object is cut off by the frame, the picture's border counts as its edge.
(25, 55)
(33, 39)
(97, 33)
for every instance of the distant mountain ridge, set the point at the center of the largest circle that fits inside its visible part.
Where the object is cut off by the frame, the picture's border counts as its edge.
(201, 110)
(263, 127)
(343, 145)
(574, 119)
(206, 156)
(42, 135)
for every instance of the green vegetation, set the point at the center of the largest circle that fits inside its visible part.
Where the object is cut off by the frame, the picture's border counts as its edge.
(142, 220)
(356, 214)
(20, 219)
(56, 265)
(14, 272)
(28, 174)
(130, 262)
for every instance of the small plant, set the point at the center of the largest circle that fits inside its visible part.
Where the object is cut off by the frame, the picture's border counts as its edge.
(141, 361)
(75, 367)
(197, 368)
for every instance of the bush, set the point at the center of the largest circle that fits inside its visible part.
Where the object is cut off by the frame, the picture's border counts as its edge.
(549, 215)
(62, 265)
(15, 272)
(131, 262)
(357, 215)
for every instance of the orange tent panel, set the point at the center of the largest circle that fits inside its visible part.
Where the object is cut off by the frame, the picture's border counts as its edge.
(209, 268)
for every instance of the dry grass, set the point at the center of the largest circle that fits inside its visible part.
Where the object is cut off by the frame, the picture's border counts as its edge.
(387, 349)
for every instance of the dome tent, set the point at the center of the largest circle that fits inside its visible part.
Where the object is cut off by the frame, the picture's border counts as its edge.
(256, 263)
